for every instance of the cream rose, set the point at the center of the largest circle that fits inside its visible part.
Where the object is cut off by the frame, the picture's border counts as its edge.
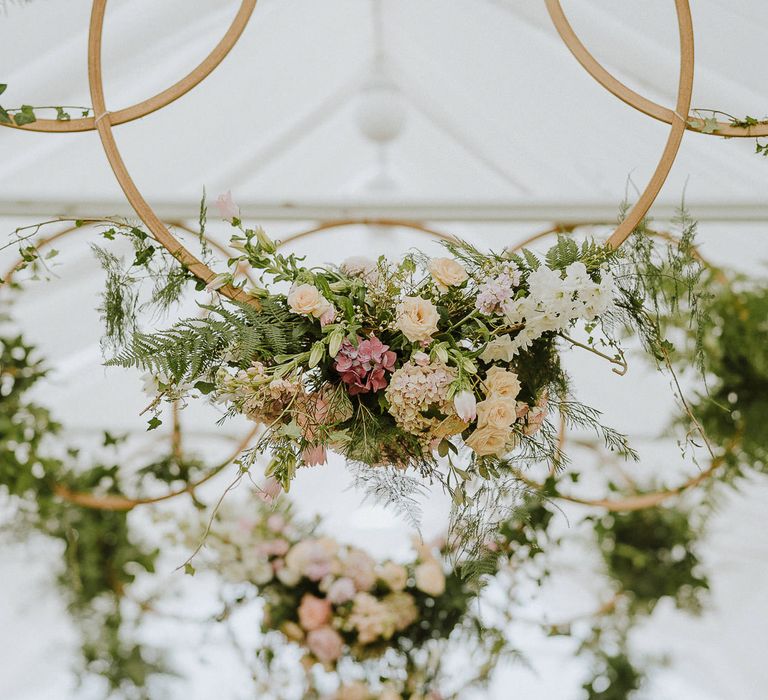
(488, 441)
(307, 300)
(446, 273)
(394, 575)
(496, 412)
(430, 578)
(417, 318)
(502, 382)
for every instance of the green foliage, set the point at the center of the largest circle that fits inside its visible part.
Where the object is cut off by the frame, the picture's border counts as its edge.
(651, 554)
(194, 348)
(100, 557)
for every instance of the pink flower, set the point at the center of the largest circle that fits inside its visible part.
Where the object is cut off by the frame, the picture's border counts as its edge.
(342, 590)
(314, 455)
(228, 210)
(363, 368)
(276, 522)
(465, 404)
(314, 612)
(329, 316)
(273, 548)
(326, 644)
(270, 490)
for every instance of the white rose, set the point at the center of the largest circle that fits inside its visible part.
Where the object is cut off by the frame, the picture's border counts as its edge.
(307, 300)
(430, 578)
(502, 348)
(288, 577)
(496, 412)
(502, 382)
(446, 273)
(488, 441)
(417, 318)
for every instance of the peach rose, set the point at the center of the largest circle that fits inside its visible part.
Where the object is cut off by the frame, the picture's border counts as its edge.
(314, 612)
(306, 300)
(496, 412)
(430, 578)
(446, 273)
(417, 318)
(488, 441)
(502, 382)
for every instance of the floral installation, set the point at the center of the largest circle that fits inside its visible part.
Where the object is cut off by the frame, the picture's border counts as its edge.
(447, 367)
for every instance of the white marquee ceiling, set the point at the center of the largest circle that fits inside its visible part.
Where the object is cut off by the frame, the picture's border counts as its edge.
(501, 124)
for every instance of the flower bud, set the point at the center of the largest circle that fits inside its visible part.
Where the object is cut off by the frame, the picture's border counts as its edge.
(465, 404)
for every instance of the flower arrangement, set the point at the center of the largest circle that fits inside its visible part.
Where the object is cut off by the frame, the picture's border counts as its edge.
(396, 363)
(379, 628)
(332, 599)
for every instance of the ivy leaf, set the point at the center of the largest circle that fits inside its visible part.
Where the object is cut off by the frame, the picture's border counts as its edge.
(3, 87)
(61, 115)
(189, 569)
(709, 125)
(5, 118)
(25, 116)
(153, 423)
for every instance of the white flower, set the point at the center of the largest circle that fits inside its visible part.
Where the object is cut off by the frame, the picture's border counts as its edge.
(288, 577)
(446, 273)
(358, 265)
(306, 300)
(465, 404)
(417, 318)
(218, 282)
(430, 578)
(501, 348)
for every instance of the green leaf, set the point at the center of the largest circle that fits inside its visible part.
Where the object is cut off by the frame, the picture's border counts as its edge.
(205, 387)
(153, 423)
(189, 570)
(3, 87)
(25, 116)
(144, 256)
(5, 118)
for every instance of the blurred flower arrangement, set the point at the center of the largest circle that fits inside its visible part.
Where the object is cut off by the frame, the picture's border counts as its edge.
(346, 611)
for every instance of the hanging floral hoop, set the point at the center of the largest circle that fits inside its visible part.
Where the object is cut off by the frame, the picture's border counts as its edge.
(104, 125)
(161, 99)
(634, 99)
(123, 503)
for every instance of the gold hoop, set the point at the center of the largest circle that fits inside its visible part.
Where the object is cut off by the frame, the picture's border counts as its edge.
(161, 99)
(629, 96)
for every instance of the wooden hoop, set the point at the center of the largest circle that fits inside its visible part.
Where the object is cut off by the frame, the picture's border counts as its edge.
(143, 210)
(684, 94)
(629, 96)
(161, 99)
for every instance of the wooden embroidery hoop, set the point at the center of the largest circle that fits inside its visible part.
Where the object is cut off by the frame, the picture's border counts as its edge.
(104, 120)
(629, 96)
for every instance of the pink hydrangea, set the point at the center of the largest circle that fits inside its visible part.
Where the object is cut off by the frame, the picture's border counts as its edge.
(363, 368)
